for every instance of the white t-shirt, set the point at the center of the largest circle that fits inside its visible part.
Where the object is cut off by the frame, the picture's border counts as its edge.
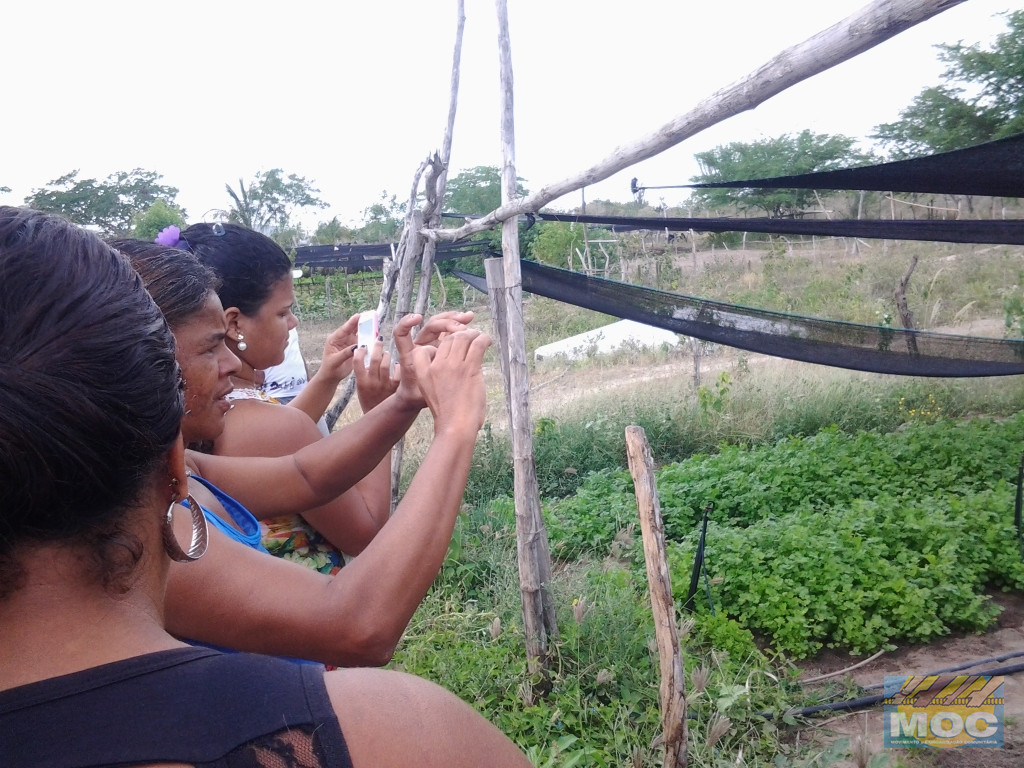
(283, 382)
(288, 378)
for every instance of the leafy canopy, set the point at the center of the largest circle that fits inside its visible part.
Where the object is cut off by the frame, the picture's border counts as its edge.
(477, 191)
(561, 243)
(160, 214)
(270, 199)
(382, 221)
(110, 205)
(784, 155)
(331, 232)
(983, 100)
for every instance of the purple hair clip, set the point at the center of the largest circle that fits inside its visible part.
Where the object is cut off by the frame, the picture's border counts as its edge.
(169, 236)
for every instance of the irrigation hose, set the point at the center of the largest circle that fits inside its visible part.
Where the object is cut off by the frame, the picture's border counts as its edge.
(968, 665)
(957, 668)
(868, 701)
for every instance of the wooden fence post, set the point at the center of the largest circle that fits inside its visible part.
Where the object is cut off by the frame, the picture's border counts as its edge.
(531, 536)
(672, 691)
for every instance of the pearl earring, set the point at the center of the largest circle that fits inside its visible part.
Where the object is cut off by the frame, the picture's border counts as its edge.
(242, 346)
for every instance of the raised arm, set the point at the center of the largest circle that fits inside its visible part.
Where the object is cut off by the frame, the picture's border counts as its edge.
(318, 470)
(352, 509)
(336, 500)
(241, 598)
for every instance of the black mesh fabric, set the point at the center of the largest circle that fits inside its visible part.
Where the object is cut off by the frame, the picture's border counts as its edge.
(356, 257)
(811, 340)
(995, 168)
(291, 748)
(992, 231)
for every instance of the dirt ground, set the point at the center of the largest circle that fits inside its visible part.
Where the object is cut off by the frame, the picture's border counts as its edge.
(1005, 637)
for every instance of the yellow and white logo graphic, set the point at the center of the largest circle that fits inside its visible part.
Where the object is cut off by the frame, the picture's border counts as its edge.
(943, 711)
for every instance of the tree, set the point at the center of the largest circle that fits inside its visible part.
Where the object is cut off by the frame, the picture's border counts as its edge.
(938, 120)
(147, 225)
(331, 232)
(560, 243)
(289, 237)
(476, 192)
(945, 117)
(785, 155)
(110, 205)
(270, 199)
(382, 221)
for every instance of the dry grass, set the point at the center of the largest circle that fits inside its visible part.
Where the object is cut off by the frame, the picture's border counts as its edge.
(955, 288)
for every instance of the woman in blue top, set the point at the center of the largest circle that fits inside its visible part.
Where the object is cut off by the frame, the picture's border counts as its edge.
(240, 598)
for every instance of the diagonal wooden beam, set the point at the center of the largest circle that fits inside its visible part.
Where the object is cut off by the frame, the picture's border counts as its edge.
(871, 25)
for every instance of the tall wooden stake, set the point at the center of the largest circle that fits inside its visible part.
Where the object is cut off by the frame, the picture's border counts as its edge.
(532, 539)
(672, 691)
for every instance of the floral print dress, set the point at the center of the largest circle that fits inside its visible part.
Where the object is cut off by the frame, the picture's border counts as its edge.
(290, 536)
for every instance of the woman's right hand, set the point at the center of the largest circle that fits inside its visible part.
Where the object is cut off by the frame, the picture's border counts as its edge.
(450, 379)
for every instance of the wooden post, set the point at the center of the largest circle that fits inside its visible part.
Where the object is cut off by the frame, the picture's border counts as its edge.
(494, 272)
(672, 690)
(906, 316)
(531, 536)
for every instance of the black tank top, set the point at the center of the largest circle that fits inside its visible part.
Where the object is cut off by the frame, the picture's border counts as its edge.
(189, 705)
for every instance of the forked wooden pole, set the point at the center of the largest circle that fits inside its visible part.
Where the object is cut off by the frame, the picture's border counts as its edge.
(437, 180)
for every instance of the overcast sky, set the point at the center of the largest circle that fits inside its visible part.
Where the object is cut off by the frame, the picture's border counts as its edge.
(354, 95)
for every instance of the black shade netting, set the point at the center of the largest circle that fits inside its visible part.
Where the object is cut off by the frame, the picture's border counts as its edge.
(995, 168)
(355, 257)
(990, 231)
(859, 347)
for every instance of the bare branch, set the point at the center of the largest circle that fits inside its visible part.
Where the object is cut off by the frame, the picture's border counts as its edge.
(855, 34)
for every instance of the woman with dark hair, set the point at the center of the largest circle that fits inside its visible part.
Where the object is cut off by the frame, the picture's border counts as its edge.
(266, 605)
(257, 294)
(92, 473)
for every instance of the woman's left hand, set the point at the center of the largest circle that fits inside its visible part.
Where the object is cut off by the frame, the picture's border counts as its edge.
(338, 349)
(374, 383)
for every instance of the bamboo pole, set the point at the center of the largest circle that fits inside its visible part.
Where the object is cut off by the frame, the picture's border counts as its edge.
(531, 536)
(672, 690)
(855, 34)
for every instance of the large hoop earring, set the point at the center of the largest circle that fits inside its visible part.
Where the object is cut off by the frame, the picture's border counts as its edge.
(200, 533)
